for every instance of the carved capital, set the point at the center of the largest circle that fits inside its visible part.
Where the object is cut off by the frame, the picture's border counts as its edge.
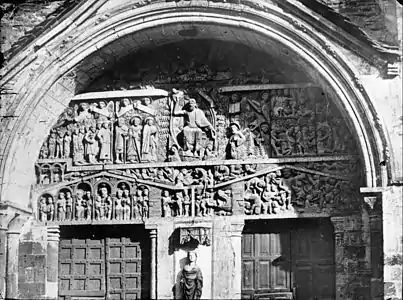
(371, 201)
(338, 223)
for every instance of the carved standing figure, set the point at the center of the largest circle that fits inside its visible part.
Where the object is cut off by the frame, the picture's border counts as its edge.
(191, 278)
(52, 145)
(120, 140)
(236, 139)
(78, 146)
(126, 203)
(150, 140)
(67, 145)
(105, 141)
(61, 207)
(118, 205)
(80, 205)
(166, 204)
(43, 209)
(69, 206)
(134, 140)
(91, 145)
(50, 209)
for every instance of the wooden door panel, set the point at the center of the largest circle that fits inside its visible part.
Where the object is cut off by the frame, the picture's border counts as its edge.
(81, 266)
(263, 273)
(123, 261)
(248, 274)
(303, 281)
(324, 286)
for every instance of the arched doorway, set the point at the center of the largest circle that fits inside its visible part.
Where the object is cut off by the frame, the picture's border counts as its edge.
(317, 74)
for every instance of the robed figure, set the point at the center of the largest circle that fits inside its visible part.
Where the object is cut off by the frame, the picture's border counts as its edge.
(195, 123)
(191, 279)
(150, 140)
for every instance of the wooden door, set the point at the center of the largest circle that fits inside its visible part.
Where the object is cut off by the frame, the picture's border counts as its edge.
(123, 265)
(265, 261)
(81, 268)
(288, 259)
(103, 262)
(313, 260)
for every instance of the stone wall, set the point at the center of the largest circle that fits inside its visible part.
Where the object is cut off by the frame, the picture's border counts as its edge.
(393, 242)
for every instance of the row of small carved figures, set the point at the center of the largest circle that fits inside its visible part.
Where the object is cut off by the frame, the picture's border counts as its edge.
(204, 204)
(82, 207)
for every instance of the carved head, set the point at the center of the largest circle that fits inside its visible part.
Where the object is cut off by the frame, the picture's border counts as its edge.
(146, 192)
(265, 127)
(234, 127)
(61, 195)
(265, 97)
(146, 101)
(149, 121)
(68, 195)
(102, 104)
(192, 256)
(136, 121)
(50, 200)
(165, 193)
(192, 104)
(119, 193)
(84, 106)
(121, 122)
(126, 192)
(125, 102)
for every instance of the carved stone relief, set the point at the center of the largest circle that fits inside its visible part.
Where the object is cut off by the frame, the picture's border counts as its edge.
(201, 151)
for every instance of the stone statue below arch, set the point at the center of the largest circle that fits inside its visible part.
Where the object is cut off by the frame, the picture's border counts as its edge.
(191, 278)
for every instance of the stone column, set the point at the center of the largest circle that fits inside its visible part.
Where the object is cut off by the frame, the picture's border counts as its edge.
(236, 240)
(52, 263)
(3, 260)
(12, 264)
(153, 267)
(227, 263)
(338, 223)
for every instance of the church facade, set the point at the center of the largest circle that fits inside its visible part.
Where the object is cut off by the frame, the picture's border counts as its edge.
(201, 150)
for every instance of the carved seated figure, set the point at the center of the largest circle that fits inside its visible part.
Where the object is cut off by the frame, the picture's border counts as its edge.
(195, 124)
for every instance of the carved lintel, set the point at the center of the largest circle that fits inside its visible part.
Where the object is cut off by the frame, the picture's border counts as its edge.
(188, 235)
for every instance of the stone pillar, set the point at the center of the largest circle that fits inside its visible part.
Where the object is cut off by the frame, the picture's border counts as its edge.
(227, 247)
(12, 264)
(153, 267)
(338, 223)
(52, 263)
(236, 240)
(3, 260)
(392, 251)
